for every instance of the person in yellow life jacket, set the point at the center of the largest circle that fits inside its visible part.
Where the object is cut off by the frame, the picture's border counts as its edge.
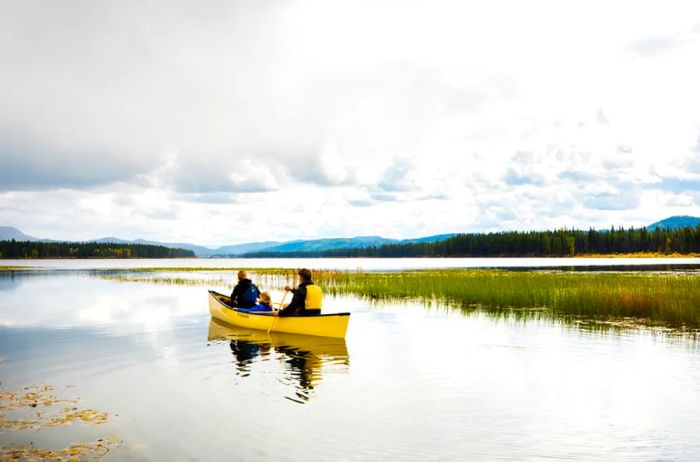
(307, 298)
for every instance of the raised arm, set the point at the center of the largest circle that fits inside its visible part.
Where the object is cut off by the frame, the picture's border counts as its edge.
(296, 303)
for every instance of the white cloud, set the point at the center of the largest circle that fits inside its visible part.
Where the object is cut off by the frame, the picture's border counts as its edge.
(175, 121)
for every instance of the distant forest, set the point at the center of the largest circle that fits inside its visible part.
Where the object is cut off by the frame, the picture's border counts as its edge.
(558, 243)
(26, 249)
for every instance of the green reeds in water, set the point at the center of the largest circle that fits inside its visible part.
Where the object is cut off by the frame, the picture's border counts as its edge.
(668, 298)
(658, 297)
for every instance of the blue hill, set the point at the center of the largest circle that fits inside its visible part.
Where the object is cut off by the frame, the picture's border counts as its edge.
(7, 233)
(436, 238)
(312, 245)
(679, 221)
(317, 245)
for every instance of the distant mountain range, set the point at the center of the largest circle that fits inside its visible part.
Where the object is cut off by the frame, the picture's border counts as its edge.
(679, 221)
(7, 233)
(312, 245)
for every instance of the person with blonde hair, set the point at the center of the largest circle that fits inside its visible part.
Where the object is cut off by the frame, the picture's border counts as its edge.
(245, 294)
(265, 302)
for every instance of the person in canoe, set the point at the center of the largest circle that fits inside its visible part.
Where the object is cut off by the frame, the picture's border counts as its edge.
(264, 304)
(245, 294)
(307, 298)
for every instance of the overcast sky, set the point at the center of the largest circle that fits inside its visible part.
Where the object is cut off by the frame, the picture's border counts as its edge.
(221, 122)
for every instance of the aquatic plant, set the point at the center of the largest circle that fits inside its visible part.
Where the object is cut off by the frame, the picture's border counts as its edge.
(94, 450)
(663, 297)
(37, 408)
(657, 297)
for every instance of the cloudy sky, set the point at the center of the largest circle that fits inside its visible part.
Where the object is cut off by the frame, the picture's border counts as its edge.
(222, 122)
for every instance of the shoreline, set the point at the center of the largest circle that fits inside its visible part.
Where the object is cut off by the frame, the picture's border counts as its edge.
(637, 255)
(583, 255)
(663, 298)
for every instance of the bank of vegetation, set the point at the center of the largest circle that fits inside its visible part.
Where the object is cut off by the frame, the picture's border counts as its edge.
(557, 243)
(671, 298)
(26, 249)
(668, 298)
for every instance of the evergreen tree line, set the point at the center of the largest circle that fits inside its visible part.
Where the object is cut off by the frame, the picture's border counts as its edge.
(26, 249)
(557, 243)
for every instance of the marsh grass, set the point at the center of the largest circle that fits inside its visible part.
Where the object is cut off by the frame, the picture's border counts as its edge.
(669, 298)
(638, 255)
(167, 280)
(663, 297)
(196, 269)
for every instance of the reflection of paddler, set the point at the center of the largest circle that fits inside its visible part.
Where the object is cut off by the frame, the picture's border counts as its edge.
(304, 356)
(305, 365)
(244, 352)
(320, 346)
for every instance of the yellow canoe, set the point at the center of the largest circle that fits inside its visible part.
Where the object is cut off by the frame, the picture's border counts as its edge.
(322, 347)
(322, 325)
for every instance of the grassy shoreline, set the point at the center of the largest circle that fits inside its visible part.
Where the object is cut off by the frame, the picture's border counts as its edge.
(652, 297)
(638, 255)
(656, 297)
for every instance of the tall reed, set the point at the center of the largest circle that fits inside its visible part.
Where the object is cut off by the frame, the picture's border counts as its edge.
(672, 298)
(666, 297)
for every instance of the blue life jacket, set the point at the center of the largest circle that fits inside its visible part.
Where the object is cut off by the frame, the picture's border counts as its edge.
(258, 307)
(262, 307)
(251, 294)
(245, 294)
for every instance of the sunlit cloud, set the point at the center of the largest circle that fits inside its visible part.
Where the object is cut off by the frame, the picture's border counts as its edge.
(173, 121)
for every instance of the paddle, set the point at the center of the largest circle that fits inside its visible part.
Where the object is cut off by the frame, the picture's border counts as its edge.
(281, 307)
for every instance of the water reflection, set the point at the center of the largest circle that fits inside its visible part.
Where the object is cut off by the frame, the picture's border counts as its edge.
(428, 382)
(305, 360)
(245, 352)
(11, 279)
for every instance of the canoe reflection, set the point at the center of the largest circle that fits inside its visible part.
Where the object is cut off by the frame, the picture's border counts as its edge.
(305, 359)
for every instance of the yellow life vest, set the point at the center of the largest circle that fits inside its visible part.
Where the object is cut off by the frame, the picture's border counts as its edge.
(314, 297)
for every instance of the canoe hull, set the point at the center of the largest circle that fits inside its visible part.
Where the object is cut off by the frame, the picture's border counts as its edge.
(327, 325)
(318, 346)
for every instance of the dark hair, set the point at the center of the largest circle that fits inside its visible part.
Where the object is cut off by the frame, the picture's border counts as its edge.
(305, 274)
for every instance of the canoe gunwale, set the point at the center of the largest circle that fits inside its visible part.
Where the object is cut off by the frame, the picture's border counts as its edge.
(264, 313)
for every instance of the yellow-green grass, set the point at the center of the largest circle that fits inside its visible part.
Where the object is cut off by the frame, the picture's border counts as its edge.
(664, 297)
(638, 255)
(167, 280)
(194, 269)
(670, 298)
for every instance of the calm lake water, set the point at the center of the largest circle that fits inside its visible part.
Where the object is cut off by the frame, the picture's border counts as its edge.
(410, 382)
